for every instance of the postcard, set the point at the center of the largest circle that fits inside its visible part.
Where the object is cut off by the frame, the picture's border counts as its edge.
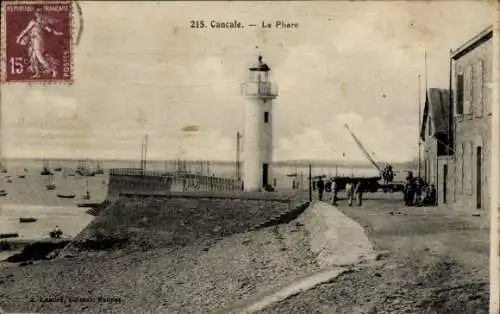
(249, 157)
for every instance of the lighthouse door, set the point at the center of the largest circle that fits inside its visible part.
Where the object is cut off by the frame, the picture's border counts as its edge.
(265, 177)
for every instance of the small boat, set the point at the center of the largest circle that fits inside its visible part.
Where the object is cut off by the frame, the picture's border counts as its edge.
(92, 205)
(9, 235)
(69, 195)
(58, 169)
(22, 176)
(45, 172)
(27, 219)
(3, 193)
(9, 181)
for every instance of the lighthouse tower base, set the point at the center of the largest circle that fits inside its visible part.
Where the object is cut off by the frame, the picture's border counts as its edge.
(258, 148)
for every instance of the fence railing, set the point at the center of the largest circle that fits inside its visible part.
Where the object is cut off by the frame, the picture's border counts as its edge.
(183, 181)
(137, 172)
(195, 182)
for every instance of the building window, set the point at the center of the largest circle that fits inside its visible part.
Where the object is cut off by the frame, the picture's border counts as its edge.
(266, 117)
(460, 94)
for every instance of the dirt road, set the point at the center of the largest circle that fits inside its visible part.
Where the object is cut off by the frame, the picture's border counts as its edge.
(435, 261)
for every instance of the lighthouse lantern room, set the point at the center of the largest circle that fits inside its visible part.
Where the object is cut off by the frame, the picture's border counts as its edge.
(258, 137)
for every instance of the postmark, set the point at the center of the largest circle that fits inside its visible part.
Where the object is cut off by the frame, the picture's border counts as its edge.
(37, 44)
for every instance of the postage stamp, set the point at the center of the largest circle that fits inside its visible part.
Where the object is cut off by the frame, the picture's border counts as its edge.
(37, 42)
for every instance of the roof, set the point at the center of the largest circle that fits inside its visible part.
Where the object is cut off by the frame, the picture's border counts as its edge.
(260, 66)
(437, 106)
(472, 43)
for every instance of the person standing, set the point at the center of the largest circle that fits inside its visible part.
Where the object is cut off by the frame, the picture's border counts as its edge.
(358, 190)
(349, 188)
(409, 189)
(321, 188)
(334, 192)
(433, 195)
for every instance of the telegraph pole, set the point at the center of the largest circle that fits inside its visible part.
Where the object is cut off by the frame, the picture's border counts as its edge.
(142, 155)
(238, 173)
(145, 150)
(451, 142)
(310, 183)
(419, 124)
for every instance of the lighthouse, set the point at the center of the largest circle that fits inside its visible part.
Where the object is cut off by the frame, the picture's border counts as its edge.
(259, 93)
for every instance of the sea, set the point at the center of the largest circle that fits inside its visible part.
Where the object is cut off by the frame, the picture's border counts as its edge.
(27, 195)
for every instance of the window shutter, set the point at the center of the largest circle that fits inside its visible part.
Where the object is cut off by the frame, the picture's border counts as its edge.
(468, 90)
(459, 97)
(478, 91)
(465, 162)
(471, 164)
(462, 148)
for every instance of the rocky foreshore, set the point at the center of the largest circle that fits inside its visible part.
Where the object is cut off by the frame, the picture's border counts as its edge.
(212, 264)
(200, 277)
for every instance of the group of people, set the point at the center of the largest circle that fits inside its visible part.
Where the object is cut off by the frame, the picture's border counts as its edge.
(388, 174)
(418, 193)
(56, 233)
(354, 190)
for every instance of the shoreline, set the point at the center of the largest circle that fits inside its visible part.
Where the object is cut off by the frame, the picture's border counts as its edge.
(210, 273)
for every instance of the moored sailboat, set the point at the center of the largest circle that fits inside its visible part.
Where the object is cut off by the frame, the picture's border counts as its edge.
(3, 191)
(83, 169)
(50, 185)
(99, 169)
(46, 169)
(86, 196)
(3, 166)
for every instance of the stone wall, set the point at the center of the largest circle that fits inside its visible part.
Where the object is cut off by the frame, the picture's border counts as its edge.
(473, 129)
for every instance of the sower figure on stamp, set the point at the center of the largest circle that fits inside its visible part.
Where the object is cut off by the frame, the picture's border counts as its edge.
(33, 36)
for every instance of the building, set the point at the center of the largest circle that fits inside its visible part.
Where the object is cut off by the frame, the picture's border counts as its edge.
(258, 137)
(457, 143)
(437, 140)
(472, 66)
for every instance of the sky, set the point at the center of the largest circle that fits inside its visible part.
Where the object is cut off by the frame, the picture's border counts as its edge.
(140, 69)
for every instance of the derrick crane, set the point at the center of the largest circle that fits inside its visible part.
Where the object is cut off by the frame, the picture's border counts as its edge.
(386, 173)
(363, 148)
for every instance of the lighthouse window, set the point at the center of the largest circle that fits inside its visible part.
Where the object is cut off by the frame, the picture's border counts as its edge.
(266, 117)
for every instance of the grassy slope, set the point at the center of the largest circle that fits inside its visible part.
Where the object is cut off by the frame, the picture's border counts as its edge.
(145, 223)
